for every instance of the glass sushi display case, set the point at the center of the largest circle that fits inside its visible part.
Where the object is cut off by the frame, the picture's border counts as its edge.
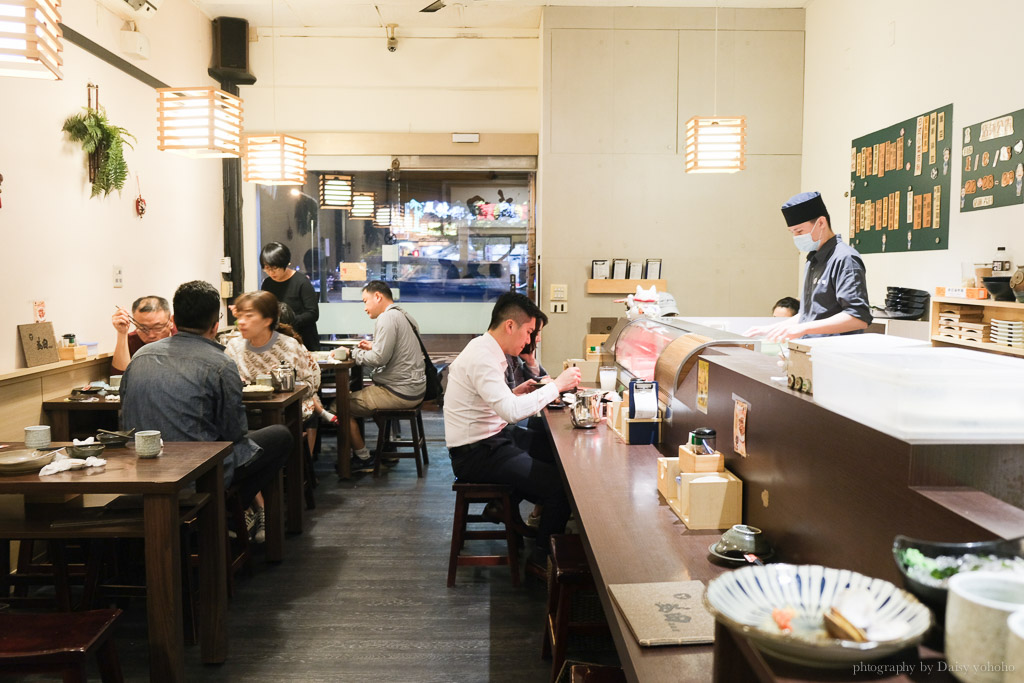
(664, 349)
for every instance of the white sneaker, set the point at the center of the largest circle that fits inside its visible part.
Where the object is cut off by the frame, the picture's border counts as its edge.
(259, 530)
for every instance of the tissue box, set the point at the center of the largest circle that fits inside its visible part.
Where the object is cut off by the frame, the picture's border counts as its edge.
(714, 504)
(690, 461)
(668, 470)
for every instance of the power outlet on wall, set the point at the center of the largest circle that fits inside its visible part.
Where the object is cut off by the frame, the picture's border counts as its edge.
(559, 307)
(118, 277)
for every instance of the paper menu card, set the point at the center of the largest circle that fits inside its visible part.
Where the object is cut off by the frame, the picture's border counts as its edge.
(670, 613)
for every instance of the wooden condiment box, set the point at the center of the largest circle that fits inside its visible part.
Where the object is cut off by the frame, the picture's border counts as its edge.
(79, 352)
(668, 470)
(690, 461)
(716, 504)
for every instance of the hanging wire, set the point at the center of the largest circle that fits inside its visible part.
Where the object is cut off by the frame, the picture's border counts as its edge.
(273, 61)
(716, 60)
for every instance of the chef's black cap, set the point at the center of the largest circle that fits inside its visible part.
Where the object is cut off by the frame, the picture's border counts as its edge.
(803, 207)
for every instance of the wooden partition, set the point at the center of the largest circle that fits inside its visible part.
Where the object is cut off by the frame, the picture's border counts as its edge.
(22, 392)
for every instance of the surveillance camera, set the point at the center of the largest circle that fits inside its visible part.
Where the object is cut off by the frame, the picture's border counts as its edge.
(392, 44)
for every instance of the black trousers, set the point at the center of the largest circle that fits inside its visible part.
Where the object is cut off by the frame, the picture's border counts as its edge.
(249, 479)
(515, 456)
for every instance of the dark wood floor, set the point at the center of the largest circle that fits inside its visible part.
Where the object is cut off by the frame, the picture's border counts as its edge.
(361, 596)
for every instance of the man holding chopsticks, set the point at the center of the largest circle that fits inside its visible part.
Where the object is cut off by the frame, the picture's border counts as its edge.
(151, 316)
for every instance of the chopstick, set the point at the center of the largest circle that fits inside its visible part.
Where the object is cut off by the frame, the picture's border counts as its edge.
(133, 320)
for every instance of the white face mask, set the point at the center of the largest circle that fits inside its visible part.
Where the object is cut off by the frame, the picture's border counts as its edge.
(806, 241)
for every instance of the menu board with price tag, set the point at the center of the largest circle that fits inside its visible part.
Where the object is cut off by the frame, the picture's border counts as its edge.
(992, 163)
(899, 185)
(39, 344)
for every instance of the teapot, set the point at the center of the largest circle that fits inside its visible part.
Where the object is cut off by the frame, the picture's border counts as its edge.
(283, 377)
(586, 411)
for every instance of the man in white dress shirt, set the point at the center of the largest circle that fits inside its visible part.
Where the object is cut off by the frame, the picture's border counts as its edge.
(481, 411)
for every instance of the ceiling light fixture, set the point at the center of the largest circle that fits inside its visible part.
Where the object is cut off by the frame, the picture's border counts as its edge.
(716, 144)
(277, 159)
(30, 39)
(335, 191)
(362, 205)
(201, 122)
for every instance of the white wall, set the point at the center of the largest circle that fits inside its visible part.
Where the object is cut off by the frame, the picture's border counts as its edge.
(618, 88)
(61, 246)
(429, 85)
(873, 63)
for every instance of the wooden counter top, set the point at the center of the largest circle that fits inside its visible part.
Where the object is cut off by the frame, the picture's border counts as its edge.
(631, 538)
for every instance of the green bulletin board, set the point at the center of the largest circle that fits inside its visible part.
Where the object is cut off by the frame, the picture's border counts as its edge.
(899, 185)
(992, 168)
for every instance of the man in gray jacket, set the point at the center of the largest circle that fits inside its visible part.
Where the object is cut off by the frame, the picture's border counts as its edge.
(396, 363)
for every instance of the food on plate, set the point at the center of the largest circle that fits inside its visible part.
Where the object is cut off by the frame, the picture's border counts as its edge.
(935, 571)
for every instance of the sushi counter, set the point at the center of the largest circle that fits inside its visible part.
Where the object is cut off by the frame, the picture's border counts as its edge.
(825, 489)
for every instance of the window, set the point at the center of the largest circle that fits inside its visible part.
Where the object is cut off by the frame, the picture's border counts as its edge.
(433, 235)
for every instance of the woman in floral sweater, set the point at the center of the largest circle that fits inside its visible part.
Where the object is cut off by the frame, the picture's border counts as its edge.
(265, 343)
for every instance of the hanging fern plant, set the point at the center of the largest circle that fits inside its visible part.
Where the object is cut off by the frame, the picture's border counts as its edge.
(104, 143)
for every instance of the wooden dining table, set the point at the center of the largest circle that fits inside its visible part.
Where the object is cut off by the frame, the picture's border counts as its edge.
(342, 376)
(70, 419)
(159, 482)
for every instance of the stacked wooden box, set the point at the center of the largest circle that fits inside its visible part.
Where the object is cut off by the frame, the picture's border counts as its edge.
(698, 488)
(962, 323)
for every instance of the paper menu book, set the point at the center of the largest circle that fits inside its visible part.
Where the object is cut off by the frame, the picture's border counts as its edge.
(670, 613)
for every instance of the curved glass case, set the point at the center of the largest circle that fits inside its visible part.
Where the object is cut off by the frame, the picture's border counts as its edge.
(663, 349)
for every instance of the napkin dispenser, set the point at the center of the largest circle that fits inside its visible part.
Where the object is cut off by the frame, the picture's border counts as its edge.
(643, 399)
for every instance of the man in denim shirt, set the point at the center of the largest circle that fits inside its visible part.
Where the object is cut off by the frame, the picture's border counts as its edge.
(189, 389)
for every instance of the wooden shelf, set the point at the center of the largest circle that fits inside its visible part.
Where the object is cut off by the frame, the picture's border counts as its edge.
(981, 346)
(608, 286)
(977, 302)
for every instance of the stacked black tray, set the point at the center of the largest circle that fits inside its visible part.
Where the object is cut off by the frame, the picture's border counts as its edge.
(902, 303)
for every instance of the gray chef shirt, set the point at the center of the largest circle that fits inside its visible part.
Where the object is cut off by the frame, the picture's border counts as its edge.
(835, 281)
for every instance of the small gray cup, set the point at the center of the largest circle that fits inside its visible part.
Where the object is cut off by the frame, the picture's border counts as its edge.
(37, 436)
(148, 443)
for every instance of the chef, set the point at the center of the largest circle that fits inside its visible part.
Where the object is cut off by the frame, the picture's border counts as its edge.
(835, 296)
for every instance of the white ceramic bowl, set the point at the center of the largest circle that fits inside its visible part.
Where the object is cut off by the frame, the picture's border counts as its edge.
(744, 599)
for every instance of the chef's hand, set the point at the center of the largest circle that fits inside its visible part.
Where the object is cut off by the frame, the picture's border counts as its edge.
(568, 380)
(526, 387)
(120, 321)
(366, 345)
(788, 329)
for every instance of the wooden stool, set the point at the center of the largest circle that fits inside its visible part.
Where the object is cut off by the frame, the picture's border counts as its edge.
(591, 673)
(35, 643)
(568, 573)
(466, 494)
(388, 447)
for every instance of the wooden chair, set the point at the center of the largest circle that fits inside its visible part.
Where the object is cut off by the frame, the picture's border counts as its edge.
(466, 495)
(568, 573)
(389, 448)
(41, 643)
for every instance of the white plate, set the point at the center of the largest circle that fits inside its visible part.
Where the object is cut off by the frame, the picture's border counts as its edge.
(744, 599)
(25, 460)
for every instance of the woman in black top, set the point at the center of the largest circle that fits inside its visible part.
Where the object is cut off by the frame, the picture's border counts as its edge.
(294, 289)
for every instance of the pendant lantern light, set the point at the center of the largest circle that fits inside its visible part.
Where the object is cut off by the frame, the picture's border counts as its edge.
(277, 159)
(362, 205)
(201, 122)
(30, 39)
(335, 191)
(716, 144)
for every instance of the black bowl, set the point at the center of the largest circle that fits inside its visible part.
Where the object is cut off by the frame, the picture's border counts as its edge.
(999, 288)
(112, 440)
(935, 597)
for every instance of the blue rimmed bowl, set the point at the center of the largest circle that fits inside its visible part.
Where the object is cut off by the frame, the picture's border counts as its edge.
(744, 600)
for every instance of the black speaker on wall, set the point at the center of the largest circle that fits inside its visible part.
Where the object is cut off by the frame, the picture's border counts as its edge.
(231, 51)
